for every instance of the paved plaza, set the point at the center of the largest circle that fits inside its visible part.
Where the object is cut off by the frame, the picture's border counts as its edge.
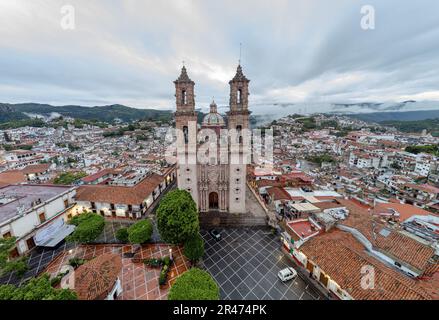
(245, 263)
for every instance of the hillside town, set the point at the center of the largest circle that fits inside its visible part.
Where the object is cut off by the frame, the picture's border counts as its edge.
(343, 198)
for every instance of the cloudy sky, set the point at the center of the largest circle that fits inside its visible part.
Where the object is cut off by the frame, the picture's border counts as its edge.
(130, 51)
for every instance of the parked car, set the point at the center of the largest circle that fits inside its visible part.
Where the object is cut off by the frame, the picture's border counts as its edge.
(215, 234)
(287, 274)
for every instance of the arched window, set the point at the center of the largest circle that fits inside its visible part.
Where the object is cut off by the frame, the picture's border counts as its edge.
(186, 134)
(183, 97)
(239, 96)
(239, 133)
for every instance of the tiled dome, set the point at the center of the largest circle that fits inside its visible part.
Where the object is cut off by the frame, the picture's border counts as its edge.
(213, 118)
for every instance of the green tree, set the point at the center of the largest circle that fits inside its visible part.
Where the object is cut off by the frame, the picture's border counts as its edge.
(195, 284)
(18, 265)
(122, 235)
(88, 227)
(67, 178)
(194, 248)
(36, 289)
(140, 232)
(177, 217)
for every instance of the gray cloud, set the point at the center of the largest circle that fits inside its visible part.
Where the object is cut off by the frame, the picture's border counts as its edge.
(130, 51)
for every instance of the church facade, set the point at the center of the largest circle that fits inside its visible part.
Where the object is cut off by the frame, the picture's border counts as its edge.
(220, 184)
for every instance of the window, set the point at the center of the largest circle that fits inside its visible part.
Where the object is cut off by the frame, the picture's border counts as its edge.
(239, 133)
(7, 235)
(42, 217)
(239, 96)
(237, 199)
(14, 253)
(112, 206)
(93, 205)
(30, 243)
(186, 134)
(183, 97)
(66, 203)
(238, 180)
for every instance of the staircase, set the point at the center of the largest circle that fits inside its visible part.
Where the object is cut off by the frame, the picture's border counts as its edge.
(230, 220)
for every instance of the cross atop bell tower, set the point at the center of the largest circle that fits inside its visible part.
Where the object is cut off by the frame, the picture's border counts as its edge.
(184, 92)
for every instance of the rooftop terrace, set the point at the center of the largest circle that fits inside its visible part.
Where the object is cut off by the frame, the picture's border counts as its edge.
(25, 196)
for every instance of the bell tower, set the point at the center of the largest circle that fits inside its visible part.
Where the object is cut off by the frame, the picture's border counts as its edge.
(238, 125)
(186, 126)
(239, 91)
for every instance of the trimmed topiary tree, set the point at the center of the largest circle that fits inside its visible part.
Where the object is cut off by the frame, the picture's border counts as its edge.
(88, 227)
(140, 232)
(177, 217)
(194, 248)
(195, 284)
(122, 235)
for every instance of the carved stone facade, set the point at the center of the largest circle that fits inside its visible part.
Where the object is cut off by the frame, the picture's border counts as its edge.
(215, 186)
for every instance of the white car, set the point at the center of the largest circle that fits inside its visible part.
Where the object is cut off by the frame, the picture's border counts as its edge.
(287, 274)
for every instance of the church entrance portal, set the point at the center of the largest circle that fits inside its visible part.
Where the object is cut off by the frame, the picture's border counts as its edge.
(213, 200)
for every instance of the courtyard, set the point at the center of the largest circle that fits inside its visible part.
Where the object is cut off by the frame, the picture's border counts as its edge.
(245, 263)
(139, 282)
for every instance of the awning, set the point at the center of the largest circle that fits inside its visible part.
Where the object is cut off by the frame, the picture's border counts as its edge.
(57, 236)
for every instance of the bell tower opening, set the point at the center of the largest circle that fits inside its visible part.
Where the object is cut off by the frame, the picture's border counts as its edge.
(239, 133)
(186, 134)
(183, 97)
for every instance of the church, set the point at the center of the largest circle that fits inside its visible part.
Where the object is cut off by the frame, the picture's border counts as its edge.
(216, 186)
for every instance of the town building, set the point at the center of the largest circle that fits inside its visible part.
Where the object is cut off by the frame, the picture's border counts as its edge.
(35, 215)
(123, 200)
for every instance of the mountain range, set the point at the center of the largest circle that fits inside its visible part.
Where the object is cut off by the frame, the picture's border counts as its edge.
(261, 113)
(11, 112)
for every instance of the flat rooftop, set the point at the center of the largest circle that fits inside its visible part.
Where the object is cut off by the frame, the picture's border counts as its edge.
(315, 193)
(14, 196)
(303, 228)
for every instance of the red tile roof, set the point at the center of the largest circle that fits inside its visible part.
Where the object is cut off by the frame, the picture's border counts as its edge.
(405, 210)
(342, 258)
(119, 194)
(397, 245)
(95, 279)
(12, 177)
(97, 175)
(278, 193)
(36, 168)
(423, 187)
